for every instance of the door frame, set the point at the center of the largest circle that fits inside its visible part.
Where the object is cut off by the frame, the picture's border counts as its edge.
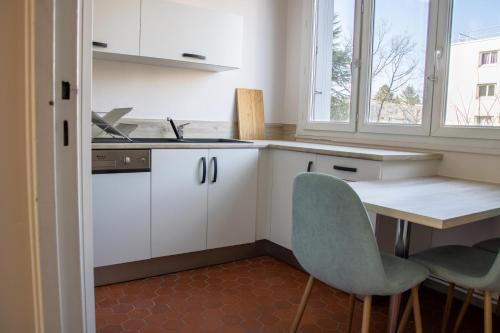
(61, 29)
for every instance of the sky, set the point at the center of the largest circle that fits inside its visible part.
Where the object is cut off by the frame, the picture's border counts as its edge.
(478, 18)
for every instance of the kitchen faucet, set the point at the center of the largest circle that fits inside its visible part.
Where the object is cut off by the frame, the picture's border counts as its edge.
(178, 130)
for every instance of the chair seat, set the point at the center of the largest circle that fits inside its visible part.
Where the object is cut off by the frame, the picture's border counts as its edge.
(491, 245)
(462, 265)
(402, 274)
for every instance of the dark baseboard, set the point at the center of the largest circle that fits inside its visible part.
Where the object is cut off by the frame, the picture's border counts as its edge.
(279, 252)
(176, 263)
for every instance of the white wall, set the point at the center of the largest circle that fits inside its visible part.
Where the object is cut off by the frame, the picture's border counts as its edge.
(156, 92)
(293, 54)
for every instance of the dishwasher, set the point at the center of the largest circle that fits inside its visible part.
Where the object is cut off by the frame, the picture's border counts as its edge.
(121, 198)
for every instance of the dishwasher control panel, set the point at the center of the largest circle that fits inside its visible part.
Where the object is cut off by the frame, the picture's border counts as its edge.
(121, 160)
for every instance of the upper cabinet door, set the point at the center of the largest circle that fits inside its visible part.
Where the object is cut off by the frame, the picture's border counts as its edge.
(117, 25)
(190, 34)
(232, 197)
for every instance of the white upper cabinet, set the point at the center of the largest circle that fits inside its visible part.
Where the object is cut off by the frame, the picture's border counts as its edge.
(117, 25)
(192, 36)
(232, 197)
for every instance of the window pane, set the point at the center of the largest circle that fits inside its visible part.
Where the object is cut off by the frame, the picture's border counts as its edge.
(485, 57)
(494, 57)
(475, 31)
(333, 63)
(482, 91)
(398, 61)
(491, 90)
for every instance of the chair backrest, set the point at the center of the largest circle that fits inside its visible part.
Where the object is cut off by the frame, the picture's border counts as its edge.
(332, 236)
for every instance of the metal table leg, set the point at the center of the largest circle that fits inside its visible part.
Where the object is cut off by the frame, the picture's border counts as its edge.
(402, 246)
(401, 249)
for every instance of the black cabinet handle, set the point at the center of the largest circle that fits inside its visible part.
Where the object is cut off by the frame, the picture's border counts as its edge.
(204, 165)
(194, 56)
(309, 166)
(100, 44)
(214, 161)
(343, 168)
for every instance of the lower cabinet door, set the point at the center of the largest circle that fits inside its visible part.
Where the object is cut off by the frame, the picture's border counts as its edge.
(232, 197)
(178, 201)
(121, 217)
(286, 165)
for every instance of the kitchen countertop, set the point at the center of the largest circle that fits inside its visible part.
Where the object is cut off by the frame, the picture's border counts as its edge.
(323, 149)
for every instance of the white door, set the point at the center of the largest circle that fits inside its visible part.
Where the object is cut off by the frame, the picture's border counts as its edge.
(176, 31)
(232, 197)
(178, 201)
(121, 210)
(286, 165)
(117, 25)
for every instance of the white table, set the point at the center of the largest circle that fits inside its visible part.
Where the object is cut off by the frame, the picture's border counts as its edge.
(436, 202)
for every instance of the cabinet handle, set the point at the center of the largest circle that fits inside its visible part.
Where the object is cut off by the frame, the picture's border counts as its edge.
(204, 165)
(214, 161)
(309, 166)
(194, 56)
(100, 44)
(343, 168)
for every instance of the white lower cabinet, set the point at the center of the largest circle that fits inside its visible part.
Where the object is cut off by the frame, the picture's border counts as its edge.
(202, 199)
(286, 165)
(232, 197)
(178, 201)
(121, 232)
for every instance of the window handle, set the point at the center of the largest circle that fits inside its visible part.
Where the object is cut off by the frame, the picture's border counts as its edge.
(317, 92)
(437, 60)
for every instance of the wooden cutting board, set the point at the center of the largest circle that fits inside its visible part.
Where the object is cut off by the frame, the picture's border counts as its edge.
(250, 105)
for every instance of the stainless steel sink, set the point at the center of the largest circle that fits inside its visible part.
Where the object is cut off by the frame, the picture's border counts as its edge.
(166, 140)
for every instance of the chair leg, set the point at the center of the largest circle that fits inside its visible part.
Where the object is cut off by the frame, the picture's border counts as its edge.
(488, 323)
(367, 309)
(461, 315)
(416, 309)
(406, 315)
(302, 305)
(352, 303)
(447, 308)
(394, 313)
(497, 309)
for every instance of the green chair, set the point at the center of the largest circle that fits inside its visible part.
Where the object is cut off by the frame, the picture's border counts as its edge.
(334, 242)
(468, 267)
(491, 245)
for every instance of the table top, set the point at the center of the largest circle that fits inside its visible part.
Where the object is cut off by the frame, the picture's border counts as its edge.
(437, 202)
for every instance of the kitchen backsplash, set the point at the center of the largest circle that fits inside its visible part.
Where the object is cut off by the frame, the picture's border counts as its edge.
(158, 128)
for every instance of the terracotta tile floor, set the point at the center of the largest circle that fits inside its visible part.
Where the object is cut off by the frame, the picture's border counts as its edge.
(256, 295)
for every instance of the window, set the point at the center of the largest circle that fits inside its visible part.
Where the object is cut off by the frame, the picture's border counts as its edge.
(470, 92)
(490, 57)
(484, 90)
(334, 56)
(397, 58)
(383, 68)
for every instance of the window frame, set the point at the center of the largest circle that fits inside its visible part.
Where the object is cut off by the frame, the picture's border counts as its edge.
(306, 121)
(438, 127)
(433, 129)
(364, 100)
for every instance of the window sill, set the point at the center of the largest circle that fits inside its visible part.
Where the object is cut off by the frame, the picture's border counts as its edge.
(427, 143)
